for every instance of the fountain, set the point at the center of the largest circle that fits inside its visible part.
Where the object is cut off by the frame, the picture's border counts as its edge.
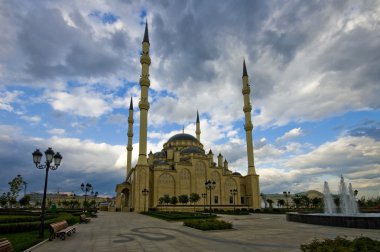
(346, 215)
(347, 201)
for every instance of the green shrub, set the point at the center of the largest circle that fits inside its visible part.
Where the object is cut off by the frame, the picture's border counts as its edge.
(34, 225)
(209, 224)
(178, 215)
(342, 244)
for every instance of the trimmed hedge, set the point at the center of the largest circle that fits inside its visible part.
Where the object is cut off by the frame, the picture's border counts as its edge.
(26, 218)
(179, 215)
(210, 224)
(15, 211)
(34, 225)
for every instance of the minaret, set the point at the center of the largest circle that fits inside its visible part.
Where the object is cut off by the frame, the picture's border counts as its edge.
(248, 123)
(144, 104)
(198, 129)
(130, 135)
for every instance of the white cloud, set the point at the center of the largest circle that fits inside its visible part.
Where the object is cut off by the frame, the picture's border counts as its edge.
(6, 98)
(57, 131)
(80, 101)
(31, 119)
(293, 133)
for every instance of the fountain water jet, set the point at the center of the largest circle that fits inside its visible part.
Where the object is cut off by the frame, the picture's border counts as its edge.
(328, 200)
(348, 216)
(348, 204)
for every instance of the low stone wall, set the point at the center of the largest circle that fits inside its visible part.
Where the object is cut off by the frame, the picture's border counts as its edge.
(360, 221)
(198, 208)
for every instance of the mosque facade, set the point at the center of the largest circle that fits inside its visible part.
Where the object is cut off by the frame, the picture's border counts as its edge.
(183, 167)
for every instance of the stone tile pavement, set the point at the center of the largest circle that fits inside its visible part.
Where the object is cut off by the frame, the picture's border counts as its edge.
(136, 232)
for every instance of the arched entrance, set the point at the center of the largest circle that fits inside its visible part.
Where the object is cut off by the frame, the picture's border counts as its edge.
(125, 201)
(123, 197)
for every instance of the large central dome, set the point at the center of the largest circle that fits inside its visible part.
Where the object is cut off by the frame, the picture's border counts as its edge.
(182, 136)
(182, 140)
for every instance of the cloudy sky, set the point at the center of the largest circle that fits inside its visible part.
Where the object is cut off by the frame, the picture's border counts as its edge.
(68, 69)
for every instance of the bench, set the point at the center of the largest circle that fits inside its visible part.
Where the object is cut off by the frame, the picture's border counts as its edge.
(84, 219)
(60, 229)
(5, 245)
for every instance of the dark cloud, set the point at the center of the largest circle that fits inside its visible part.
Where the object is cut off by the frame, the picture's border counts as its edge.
(192, 38)
(53, 48)
(372, 132)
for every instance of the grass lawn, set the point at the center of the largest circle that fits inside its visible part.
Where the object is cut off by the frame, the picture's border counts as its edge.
(24, 240)
(22, 230)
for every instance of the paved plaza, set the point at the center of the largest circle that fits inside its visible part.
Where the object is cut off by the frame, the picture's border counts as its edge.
(136, 232)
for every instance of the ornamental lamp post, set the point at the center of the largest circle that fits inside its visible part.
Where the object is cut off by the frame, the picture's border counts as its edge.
(210, 185)
(50, 155)
(145, 193)
(234, 193)
(204, 195)
(85, 188)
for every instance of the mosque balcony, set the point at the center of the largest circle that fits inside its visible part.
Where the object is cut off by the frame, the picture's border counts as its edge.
(144, 81)
(145, 59)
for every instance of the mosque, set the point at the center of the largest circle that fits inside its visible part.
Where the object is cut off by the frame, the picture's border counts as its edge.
(183, 167)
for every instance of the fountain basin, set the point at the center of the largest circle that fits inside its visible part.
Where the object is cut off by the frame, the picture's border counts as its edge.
(362, 220)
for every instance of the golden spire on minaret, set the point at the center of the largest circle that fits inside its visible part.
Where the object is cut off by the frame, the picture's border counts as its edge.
(248, 123)
(198, 128)
(130, 135)
(144, 104)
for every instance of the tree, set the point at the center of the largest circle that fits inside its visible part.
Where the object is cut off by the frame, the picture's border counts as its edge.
(174, 200)
(65, 203)
(281, 202)
(270, 202)
(3, 199)
(183, 199)
(297, 200)
(12, 201)
(305, 201)
(361, 202)
(166, 199)
(194, 197)
(316, 202)
(15, 186)
(92, 204)
(24, 201)
(161, 200)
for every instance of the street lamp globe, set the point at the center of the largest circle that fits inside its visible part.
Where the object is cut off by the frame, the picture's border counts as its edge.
(49, 155)
(37, 155)
(57, 159)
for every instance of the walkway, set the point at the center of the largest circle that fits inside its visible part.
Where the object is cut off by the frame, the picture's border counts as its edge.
(136, 232)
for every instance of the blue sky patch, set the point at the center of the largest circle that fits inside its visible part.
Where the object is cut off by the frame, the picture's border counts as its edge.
(105, 17)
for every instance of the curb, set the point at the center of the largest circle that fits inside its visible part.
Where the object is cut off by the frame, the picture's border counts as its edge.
(35, 246)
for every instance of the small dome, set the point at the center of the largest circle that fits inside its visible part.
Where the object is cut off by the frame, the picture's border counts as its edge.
(160, 154)
(236, 173)
(192, 150)
(182, 136)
